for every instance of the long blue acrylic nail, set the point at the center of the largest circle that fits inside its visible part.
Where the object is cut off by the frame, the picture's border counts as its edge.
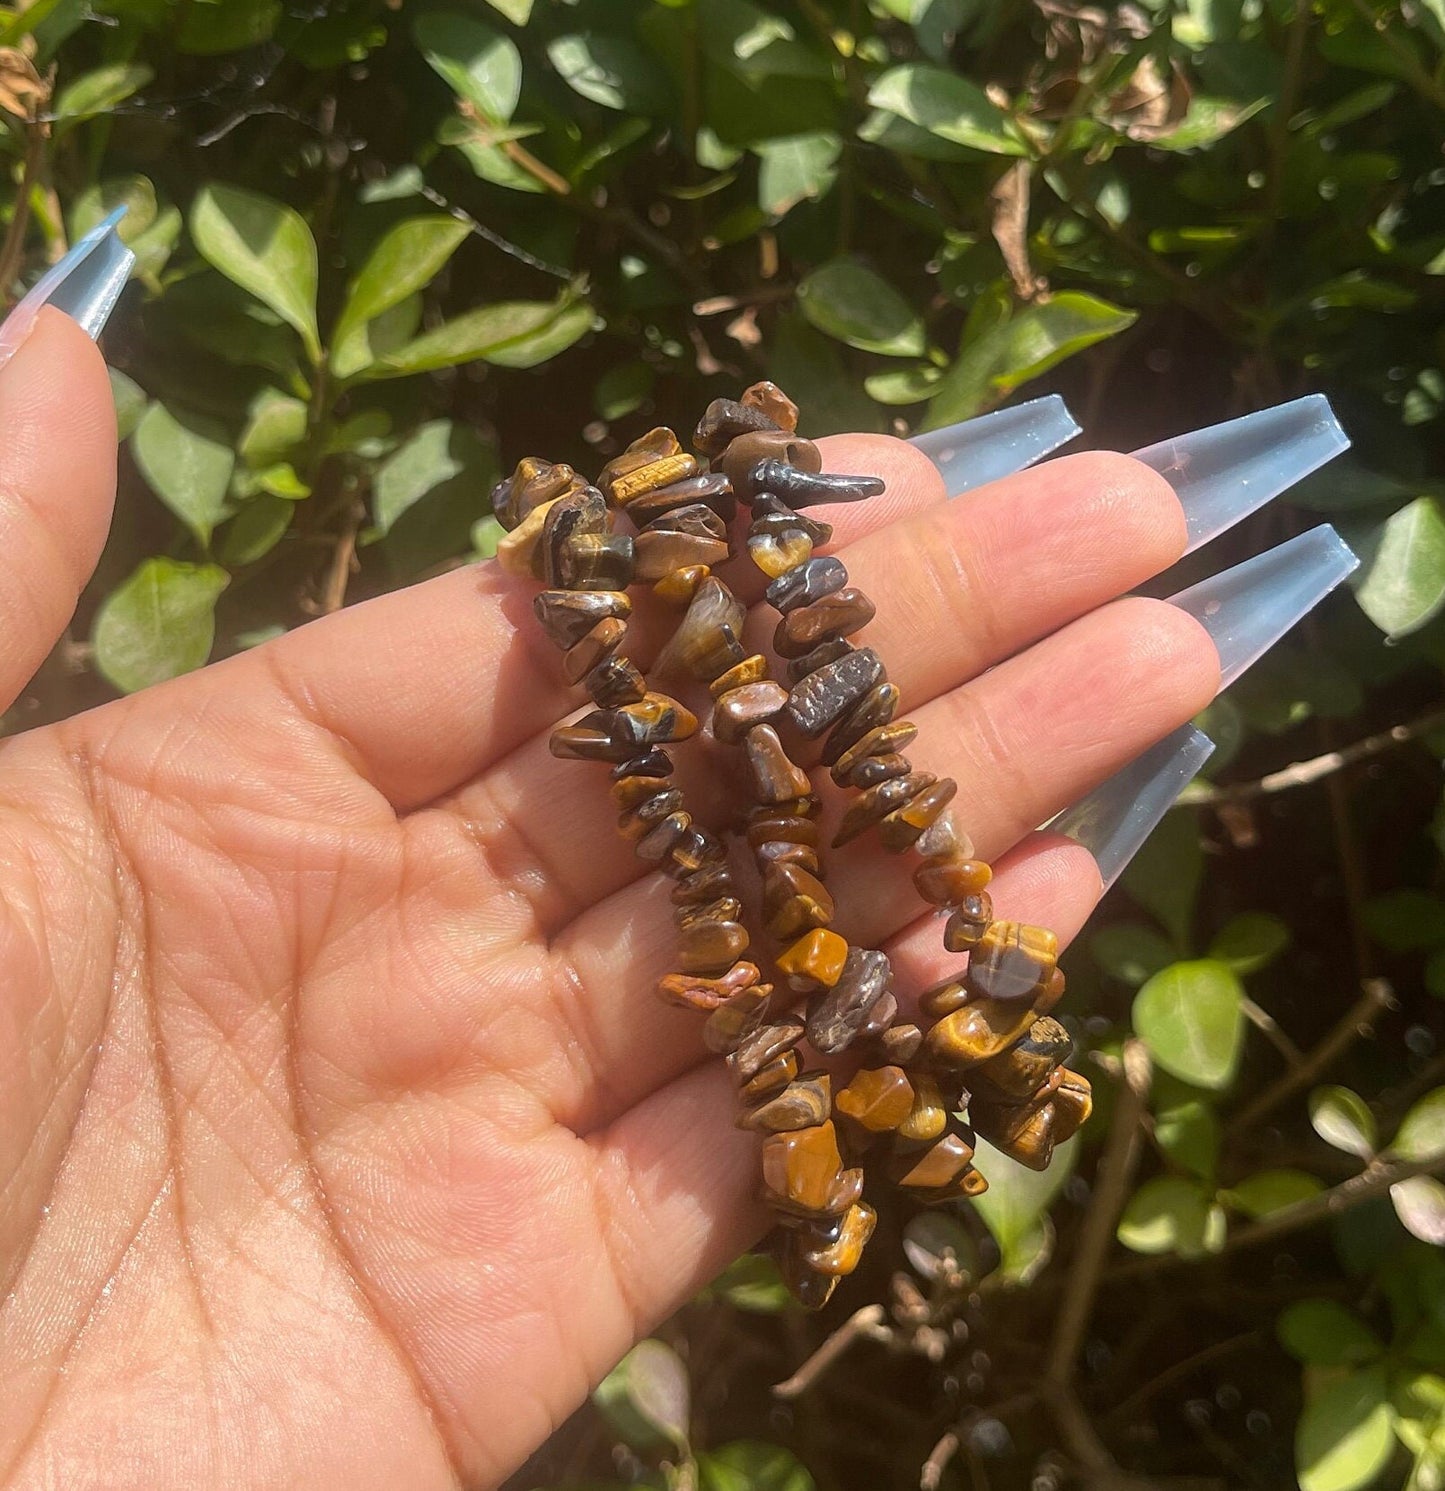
(1225, 472)
(1247, 609)
(85, 284)
(1113, 821)
(89, 292)
(998, 444)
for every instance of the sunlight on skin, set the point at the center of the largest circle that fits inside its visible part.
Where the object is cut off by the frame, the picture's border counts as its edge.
(342, 1139)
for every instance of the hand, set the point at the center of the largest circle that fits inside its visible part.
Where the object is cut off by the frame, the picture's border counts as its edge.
(343, 1139)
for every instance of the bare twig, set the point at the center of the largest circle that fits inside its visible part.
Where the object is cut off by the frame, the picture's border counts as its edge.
(1305, 773)
(1374, 1180)
(1116, 1170)
(1376, 996)
(343, 560)
(1125, 1411)
(864, 1324)
(937, 1462)
(1265, 1022)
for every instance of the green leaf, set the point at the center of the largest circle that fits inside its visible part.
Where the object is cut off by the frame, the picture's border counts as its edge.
(518, 12)
(1025, 346)
(264, 247)
(214, 26)
(1207, 120)
(946, 105)
(157, 624)
(1269, 1191)
(1164, 876)
(1421, 1135)
(275, 426)
(797, 168)
(1344, 1436)
(646, 1397)
(1189, 1135)
(1130, 953)
(1250, 941)
(810, 366)
(479, 63)
(487, 533)
(932, 1238)
(528, 349)
(1420, 1205)
(752, 1283)
(1400, 584)
(1322, 1333)
(515, 334)
(611, 70)
(623, 388)
(433, 454)
(367, 341)
(256, 529)
(1190, 1016)
(1172, 1215)
(187, 461)
(409, 256)
(1343, 1119)
(847, 300)
(1015, 1207)
(910, 385)
(137, 194)
(98, 91)
(1406, 920)
(748, 1466)
(130, 403)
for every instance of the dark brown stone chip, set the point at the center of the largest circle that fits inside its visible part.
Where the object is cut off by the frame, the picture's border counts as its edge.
(568, 615)
(836, 1017)
(807, 583)
(822, 698)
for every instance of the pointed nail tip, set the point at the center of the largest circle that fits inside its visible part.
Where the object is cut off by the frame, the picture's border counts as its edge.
(1246, 610)
(1114, 820)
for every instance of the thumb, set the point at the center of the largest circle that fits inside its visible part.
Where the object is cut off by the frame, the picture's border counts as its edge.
(57, 468)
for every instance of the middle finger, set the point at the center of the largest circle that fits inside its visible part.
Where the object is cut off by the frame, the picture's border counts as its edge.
(960, 588)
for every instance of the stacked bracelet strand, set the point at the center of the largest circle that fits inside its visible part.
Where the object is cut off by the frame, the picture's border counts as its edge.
(990, 1049)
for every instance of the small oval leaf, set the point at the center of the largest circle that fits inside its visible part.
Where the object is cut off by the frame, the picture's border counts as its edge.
(1401, 583)
(1343, 1119)
(1344, 1436)
(265, 247)
(1272, 1190)
(849, 301)
(1421, 1135)
(1169, 1215)
(1420, 1205)
(157, 624)
(1323, 1333)
(1191, 1017)
(187, 460)
(646, 1396)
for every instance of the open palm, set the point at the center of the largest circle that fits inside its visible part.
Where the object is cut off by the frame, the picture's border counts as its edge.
(343, 1140)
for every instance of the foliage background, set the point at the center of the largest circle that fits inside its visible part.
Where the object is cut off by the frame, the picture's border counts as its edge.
(387, 248)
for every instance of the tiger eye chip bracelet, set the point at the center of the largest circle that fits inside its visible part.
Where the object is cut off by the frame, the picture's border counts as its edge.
(990, 1047)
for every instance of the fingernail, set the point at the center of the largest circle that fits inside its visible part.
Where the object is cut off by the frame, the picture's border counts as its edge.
(998, 444)
(1247, 609)
(85, 284)
(1224, 473)
(1116, 817)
